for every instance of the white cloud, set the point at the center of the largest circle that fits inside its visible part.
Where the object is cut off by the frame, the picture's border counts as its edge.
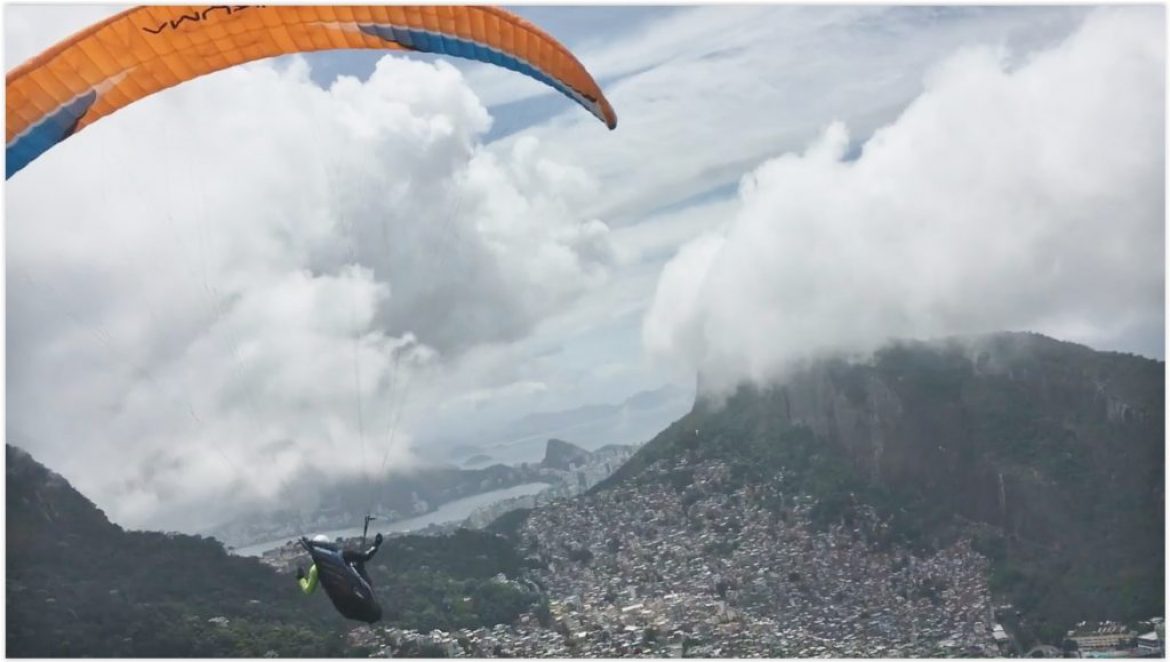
(523, 390)
(1026, 197)
(29, 30)
(194, 283)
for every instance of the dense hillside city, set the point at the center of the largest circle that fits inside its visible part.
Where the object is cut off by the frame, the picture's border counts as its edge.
(653, 570)
(708, 573)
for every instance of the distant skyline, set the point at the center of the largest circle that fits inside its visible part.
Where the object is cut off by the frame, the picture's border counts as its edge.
(184, 319)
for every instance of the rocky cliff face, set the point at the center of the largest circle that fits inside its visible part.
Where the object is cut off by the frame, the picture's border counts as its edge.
(1015, 430)
(563, 456)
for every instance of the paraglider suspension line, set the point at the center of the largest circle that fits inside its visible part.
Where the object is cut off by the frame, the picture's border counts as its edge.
(366, 528)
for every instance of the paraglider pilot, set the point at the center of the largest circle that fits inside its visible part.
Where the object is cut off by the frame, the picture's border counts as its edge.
(343, 574)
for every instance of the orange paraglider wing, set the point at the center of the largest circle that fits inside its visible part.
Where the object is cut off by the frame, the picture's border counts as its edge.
(143, 50)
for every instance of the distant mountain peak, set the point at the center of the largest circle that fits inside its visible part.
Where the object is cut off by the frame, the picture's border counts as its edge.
(564, 456)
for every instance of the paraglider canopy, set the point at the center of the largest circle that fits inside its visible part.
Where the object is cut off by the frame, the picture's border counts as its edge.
(138, 52)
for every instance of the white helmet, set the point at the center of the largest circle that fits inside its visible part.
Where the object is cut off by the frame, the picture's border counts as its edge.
(320, 537)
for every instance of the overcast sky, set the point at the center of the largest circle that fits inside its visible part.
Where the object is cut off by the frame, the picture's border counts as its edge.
(328, 259)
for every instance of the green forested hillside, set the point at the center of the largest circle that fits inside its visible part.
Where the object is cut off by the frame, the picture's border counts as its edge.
(78, 585)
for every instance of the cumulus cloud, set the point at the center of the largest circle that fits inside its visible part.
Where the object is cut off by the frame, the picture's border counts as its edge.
(27, 33)
(233, 282)
(1013, 193)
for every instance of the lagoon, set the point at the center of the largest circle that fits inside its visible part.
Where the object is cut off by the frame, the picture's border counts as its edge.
(452, 511)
